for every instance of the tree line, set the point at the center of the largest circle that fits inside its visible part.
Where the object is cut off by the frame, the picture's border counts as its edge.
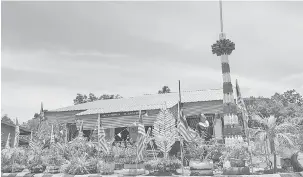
(83, 98)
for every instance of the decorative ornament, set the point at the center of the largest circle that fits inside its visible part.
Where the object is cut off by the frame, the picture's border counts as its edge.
(223, 47)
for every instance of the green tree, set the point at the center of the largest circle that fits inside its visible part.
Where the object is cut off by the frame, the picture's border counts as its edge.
(106, 97)
(165, 89)
(281, 106)
(6, 119)
(92, 97)
(276, 135)
(80, 99)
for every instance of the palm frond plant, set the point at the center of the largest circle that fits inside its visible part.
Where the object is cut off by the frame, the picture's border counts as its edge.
(78, 165)
(275, 135)
(164, 131)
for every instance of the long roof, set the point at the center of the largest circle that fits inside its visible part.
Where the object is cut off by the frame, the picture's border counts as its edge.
(145, 102)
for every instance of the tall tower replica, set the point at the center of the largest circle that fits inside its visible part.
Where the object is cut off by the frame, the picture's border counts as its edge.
(223, 48)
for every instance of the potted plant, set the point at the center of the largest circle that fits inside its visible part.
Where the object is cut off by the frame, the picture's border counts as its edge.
(106, 164)
(130, 159)
(234, 158)
(201, 155)
(54, 160)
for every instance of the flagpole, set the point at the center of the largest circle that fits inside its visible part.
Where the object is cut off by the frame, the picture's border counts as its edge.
(181, 139)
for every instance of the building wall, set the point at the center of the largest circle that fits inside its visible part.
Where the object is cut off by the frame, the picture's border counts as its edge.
(90, 121)
(5, 130)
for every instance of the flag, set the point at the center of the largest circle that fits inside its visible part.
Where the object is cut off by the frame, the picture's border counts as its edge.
(52, 139)
(141, 138)
(81, 129)
(242, 106)
(31, 143)
(101, 137)
(183, 128)
(17, 133)
(7, 146)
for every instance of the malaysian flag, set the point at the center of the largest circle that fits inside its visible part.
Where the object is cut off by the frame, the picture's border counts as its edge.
(101, 137)
(7, 146)
(17, 133)
(185, 131)
(141, 138)
(31, 143)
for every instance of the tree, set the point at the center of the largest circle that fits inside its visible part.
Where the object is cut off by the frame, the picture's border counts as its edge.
(91, 97)
(80, 99)
(277, 135)
(281, 106)
(106, 97)
(36, 115)
(6, 119)
(165, 89)
(289, 97)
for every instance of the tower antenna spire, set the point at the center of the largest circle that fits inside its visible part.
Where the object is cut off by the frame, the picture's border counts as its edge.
(221, 15)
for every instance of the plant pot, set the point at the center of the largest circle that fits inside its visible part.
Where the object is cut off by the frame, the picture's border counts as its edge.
(37, 169)
(201, 173)
(237, 163)
(236, 171)
(119, 166)
(134, 166)
(133, 172)
(52, 169)
(198, 165)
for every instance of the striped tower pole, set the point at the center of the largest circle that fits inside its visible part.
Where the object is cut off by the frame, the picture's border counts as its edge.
(223, 48)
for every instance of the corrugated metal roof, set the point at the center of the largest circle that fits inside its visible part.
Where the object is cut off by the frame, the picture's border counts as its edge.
(145, 102)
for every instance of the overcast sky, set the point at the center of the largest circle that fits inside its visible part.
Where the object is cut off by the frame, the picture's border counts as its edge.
(53, 50)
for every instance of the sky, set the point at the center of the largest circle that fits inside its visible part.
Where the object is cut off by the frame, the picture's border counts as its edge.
(53, 50)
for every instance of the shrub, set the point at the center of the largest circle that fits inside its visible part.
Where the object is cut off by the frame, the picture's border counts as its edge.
(78, 165)
(13, 159)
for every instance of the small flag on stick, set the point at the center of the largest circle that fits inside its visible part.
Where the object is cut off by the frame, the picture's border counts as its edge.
(141, 138)
(31, 142)
(101, 136)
